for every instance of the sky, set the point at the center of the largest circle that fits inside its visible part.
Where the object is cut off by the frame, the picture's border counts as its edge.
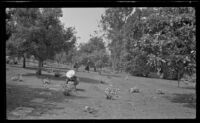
(85, 21)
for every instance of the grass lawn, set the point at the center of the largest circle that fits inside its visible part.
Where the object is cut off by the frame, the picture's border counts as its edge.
(29, 100)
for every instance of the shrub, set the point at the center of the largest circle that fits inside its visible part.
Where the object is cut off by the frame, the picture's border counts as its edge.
(189, 78)
(46, 81)
(111, 92)
(89, 109)
(14, 78)
(134, 90)
(69, 88)
(15, 62)
(170, 73)
(160, 91)
(18, 77)
(138, 66)
(57, 74)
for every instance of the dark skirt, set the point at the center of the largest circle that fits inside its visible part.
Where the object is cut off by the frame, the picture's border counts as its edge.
(87, 68)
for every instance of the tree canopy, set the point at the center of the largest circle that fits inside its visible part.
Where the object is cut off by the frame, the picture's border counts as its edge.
(152, 38)
(39, 32)
(93, 51)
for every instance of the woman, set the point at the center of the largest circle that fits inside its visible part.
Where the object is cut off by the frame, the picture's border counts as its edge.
(87, 67)
(76, 66)
(71, 77)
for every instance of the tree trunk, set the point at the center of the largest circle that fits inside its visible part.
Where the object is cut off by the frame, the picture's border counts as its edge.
(24, 61)
(95, 70)
(164, 69)
(39, 71)
(114, 64)
(178, 82)
(179, 77)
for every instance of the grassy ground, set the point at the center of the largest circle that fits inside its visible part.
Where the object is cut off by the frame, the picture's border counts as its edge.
(52, 104)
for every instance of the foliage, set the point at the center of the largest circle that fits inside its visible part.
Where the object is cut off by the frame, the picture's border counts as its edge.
(57, 74)
(69, 88)
(177, 38)
(151, 39)
(111, 92)
(167, 36)
(39, 32)
(138, 66)
(112, 23)
(134, 90)
(10, 23)
(93, 52)
(95, 43)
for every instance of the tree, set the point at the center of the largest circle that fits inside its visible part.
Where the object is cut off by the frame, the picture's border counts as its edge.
(166, 36)
(99, 58)
(11, 47)
(10, 23)
(95, 43)
(42, 33)
(66, 54)
(70, 56)
(112, 23)
(93, 51)
(134, 56)
(178, 40)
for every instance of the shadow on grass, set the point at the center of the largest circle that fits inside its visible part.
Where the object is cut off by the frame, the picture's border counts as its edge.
(89, 80)
(79, 89)
(189, 87)
(43, 69)
(21, 96)
(110, 75)
(63, 78)
(189, 100)
(52, 77)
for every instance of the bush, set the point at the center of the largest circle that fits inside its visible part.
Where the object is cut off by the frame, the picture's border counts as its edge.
(154, 75)
(69, 88)
(134, 90)
(57, 74)
(188, 78)
(111, 92)
(138, 67)
(15, 62)
(170, 73)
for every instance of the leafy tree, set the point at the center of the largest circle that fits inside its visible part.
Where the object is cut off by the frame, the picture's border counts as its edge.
(135, 56)
(42, 33)
(95, 43)
(112, 22)
(10, 23)
(166, 36)
(71, 55)
(69, 47)
(178, 40)
(93, 51)
(14, 42)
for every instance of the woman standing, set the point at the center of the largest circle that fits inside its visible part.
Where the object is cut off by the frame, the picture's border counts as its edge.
(87, 67)
(76, 66)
